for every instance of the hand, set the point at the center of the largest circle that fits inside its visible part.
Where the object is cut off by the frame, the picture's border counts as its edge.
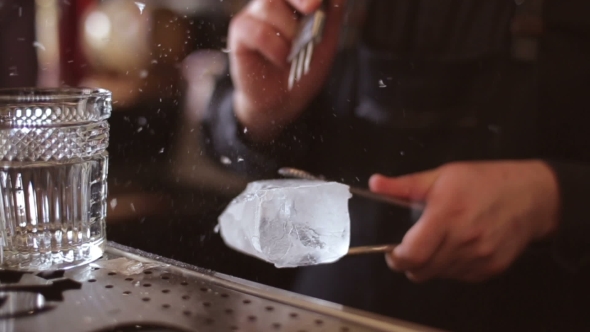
(260, 40)
(478, 219)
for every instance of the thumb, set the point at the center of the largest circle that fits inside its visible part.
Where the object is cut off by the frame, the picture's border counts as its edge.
(414, 186)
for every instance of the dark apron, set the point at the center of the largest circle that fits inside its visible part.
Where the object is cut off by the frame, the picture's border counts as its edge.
(415, 115)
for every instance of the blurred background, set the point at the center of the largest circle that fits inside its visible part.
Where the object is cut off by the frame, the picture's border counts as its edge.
(160, 59)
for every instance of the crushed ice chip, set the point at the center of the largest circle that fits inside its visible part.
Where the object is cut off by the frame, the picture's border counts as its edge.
(289, 223)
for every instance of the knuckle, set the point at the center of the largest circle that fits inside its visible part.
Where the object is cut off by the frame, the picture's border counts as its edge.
(258, 7)
(234, 24)
(265, 9)
(237, 24)
(270, 7)
(456, 212)
(471, 236)
(260, 35)
(485, 251)
(416, 260)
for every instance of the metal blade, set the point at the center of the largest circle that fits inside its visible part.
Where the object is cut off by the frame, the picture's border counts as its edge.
(308, 55)
(300, 63)
(292, 73)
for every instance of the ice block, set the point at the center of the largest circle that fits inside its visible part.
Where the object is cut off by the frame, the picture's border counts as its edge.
(289, 223)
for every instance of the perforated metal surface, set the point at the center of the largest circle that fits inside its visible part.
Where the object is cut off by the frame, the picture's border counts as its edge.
(185, 298)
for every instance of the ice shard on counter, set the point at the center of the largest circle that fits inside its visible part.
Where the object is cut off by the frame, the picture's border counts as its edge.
(289, 223)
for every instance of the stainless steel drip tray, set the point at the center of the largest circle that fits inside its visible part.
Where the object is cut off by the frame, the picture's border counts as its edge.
(170, 296)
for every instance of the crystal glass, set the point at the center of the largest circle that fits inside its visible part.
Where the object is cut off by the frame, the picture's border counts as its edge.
(53, 172)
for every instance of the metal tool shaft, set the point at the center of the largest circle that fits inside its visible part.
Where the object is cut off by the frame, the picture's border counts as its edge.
(297, 173)
(377, 249)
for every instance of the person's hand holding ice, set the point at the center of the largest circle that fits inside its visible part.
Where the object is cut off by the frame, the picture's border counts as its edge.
(479, 217)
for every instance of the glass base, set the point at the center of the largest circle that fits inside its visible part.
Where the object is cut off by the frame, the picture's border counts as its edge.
(55, 260)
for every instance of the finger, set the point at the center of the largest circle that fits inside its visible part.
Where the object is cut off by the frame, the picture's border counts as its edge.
(441, 260)
(248, 34)
(419, 244)
(276, 13)
(413, 186)
(452, 260)
(391, 261)
(463, 248)
(305, 6)
(460, 247)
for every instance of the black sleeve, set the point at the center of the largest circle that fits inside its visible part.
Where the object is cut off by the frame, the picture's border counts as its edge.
(563, 135)
(225, 140)
(572, 241)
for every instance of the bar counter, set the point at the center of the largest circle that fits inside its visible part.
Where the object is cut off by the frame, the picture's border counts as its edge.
(131, 290)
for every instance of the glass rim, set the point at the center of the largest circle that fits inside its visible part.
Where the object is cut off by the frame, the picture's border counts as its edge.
(35, 94)
(33, 107)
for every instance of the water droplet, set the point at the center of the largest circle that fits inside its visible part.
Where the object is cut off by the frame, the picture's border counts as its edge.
(39, 45)
(382, 84)
(225, 160)
(161, 150)
(216, 229)
(132, 207)
(141, 6)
